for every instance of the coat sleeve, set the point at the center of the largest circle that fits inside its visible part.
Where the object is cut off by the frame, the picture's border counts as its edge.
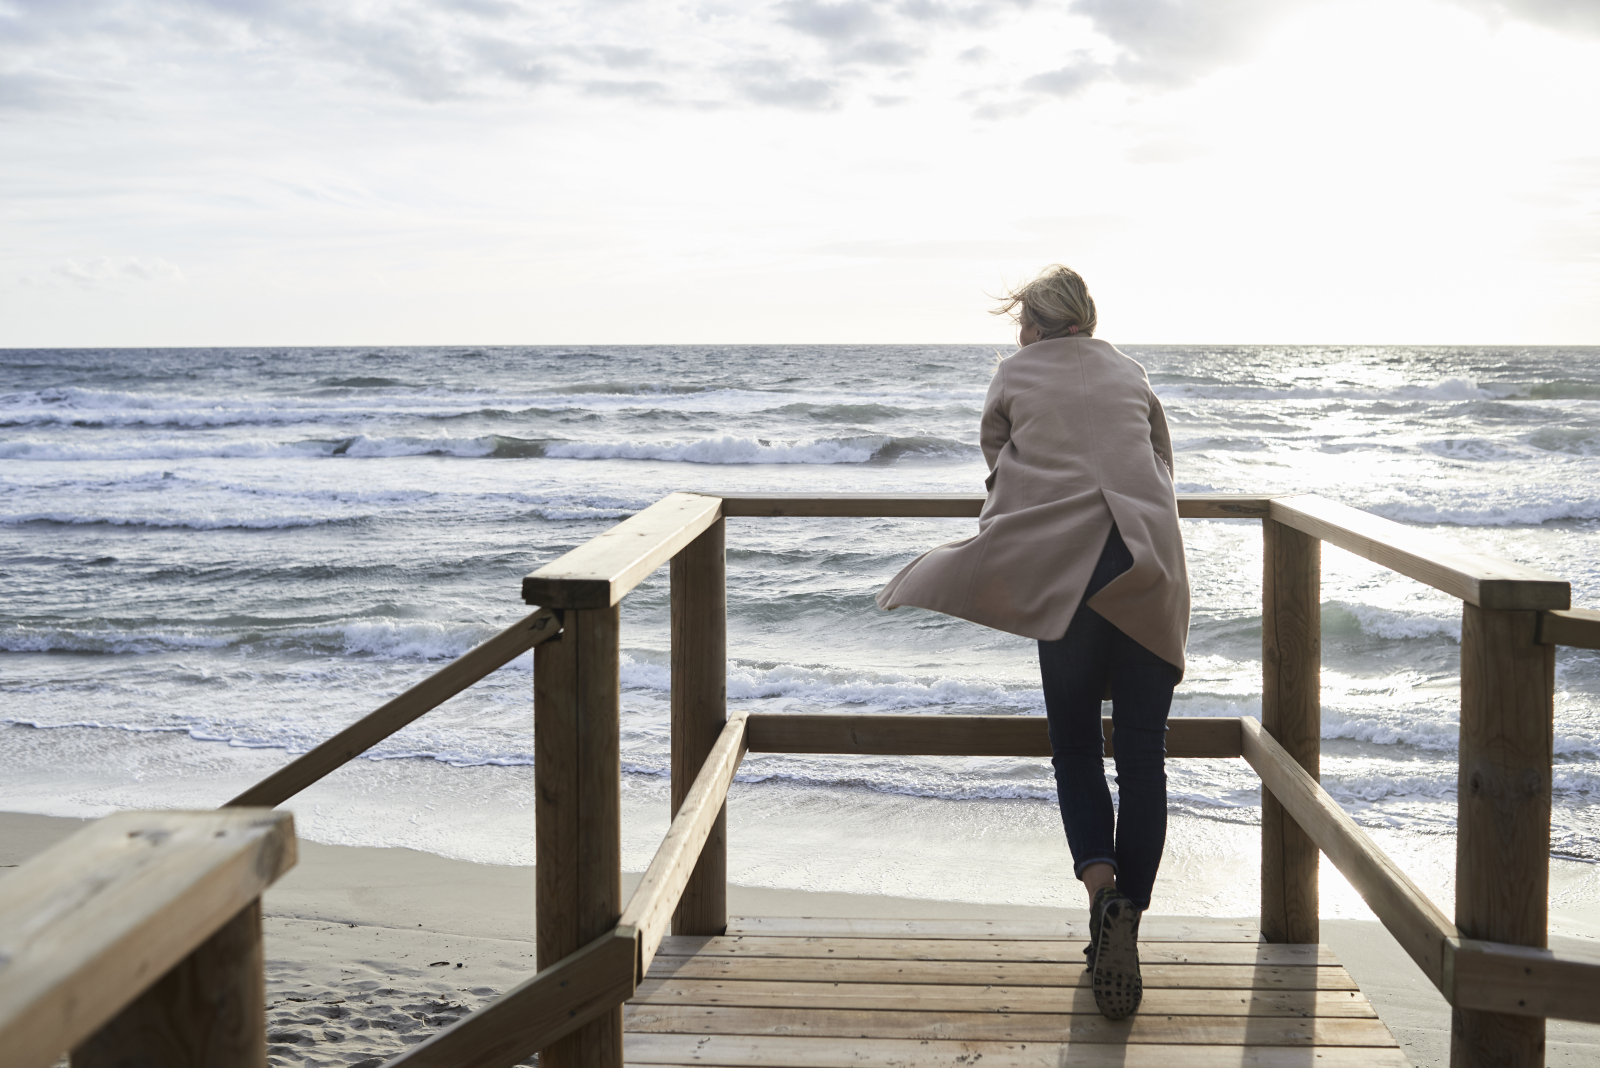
(995, 429)
(1160, 436)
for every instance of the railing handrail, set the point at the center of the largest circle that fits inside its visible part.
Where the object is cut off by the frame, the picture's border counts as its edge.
(598, 575)
(93, 922)
(433, 691)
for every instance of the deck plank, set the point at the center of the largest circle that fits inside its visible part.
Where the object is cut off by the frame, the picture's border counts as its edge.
(986, 950)
(1152, 928)
(933, 972)
(1007, 1027)
(740, 1051)
(949, 998)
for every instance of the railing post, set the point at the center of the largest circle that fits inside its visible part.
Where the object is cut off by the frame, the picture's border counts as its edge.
(1503, 815)
(209, 1011)
(1291, 711)
(699, 712)
(578, 810)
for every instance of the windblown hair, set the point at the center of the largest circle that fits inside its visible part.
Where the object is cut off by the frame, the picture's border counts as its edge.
(1057, 302)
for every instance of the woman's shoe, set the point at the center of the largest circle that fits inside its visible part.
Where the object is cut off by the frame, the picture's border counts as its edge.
(1114, 954)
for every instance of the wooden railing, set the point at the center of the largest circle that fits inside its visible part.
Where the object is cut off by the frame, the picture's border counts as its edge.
(137, 941)
(1491, 963)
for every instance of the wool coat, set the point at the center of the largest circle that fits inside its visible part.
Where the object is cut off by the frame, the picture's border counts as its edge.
(1076, 440)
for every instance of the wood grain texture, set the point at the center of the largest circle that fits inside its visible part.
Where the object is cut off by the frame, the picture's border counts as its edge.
(601, 571)
(1420, 927)
(1503, 814)
(1076, 999)
(744, 1051)
(208, 1011)
(699, 710)
(1291, 712)
(89, 924)
(655, 900)
(1151, 928)
(425, 696)
(934, 972)
(1012, 1027)
(897, 735)
(577, 810)
(1476, 578)
(538, 1013)
(1522, 981)
(953, 949)
(952, 505)
(1577, 627)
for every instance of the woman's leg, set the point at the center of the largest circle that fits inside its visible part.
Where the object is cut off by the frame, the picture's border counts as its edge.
(1141, 686)
(1073, 669)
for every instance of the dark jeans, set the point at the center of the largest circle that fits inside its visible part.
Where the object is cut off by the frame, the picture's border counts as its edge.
(1075, 668)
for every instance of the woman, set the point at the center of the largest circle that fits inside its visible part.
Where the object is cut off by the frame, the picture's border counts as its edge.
(1078, 546)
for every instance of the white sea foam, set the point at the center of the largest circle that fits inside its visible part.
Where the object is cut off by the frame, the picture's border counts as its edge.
(726, 450)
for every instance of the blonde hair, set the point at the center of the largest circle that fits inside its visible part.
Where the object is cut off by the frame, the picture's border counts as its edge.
(1057, 302)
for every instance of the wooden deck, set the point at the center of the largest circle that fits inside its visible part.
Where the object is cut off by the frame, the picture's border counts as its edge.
(827, 993)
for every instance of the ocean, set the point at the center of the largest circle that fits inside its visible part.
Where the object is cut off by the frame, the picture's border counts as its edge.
(215, 558)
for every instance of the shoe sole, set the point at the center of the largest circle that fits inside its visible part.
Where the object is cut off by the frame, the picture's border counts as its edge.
(1118, 986)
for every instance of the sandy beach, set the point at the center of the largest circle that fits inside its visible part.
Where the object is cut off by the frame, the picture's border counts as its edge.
(369, 950)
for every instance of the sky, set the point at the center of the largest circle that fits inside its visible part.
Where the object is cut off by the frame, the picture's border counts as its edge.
(251, 172)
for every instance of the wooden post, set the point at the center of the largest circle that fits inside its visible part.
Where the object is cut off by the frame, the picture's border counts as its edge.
(578, 810)
(1291, 711)
(209, 1011)
(699, 712)
(1503, 815)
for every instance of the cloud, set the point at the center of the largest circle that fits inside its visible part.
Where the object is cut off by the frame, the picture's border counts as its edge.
(103, 272)
(1069, 80)
(830, 21)
(1581, 15)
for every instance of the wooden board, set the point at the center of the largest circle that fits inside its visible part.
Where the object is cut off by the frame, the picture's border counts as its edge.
(935, 972)
(739, 1051)
(601, 571)
(1151, 928)
(952, 505)
(901, 735)
(1077, 998)
(1577, 627)
(90, 923)
(952, 949)
(1486, 581)
(430, 693)
(1013, 1027)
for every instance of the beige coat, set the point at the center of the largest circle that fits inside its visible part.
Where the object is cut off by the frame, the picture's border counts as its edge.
(1076, 439)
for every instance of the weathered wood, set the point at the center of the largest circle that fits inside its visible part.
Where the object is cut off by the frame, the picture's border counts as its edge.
(936, 972)
(1013, 1027)
(1291, 712)
(425, 696)
(897, 735)
(601, 571)
(577, 810)
(655, 899)
(89, 924)
(1414, 920)
(951, 505)
(1577, 627)
(208, 1011)
(1521, 981)
(954, 949)
(748, 1051)
(536, 1013)
(1076, 999)
(1151, 928)
(1476, 578)
(1503, 815)
(699, 710)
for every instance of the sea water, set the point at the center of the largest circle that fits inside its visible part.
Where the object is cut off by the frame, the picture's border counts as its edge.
(213, 559)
